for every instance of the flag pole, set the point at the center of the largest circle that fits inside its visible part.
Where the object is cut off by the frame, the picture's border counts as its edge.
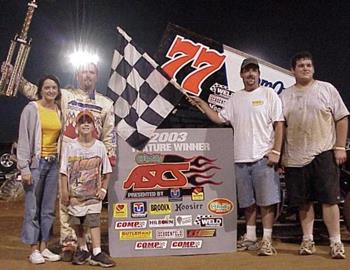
(178, 87)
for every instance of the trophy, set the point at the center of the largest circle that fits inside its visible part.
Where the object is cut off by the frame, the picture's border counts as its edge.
(9, 83)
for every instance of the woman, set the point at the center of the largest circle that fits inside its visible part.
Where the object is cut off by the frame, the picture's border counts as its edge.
(37, 152)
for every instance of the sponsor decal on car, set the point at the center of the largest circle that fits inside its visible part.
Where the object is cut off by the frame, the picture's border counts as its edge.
(135, 234)
(170, 233)
(120, 210)
(183, 220)
(186, 244)
(138, 209)
(220, 206)
(165, 222)
(139, 245)
(160, 208)
(130, 224)
(200, 233)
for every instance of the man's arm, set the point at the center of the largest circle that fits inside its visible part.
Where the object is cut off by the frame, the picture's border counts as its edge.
(210, 113)
(341, 131)
(28, 89)
(275, 153)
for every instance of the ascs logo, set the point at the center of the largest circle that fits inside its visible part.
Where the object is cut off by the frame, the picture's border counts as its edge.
(138, 209)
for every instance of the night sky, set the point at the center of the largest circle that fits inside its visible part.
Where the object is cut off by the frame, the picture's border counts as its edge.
(271, 30)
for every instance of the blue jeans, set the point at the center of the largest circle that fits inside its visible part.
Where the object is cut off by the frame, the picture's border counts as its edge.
(40, 198)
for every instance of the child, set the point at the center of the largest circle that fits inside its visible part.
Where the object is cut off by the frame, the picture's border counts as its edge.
(85, 172)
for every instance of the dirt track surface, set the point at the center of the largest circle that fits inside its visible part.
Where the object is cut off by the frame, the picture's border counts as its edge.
(13, 254)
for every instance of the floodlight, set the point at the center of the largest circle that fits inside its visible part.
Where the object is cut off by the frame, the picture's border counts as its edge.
(79, 58)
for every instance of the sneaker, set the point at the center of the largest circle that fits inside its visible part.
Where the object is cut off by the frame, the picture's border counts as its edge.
(81, 257)
(36, 257)
(337, 251)
(49, 256)
(102, 259)
(266, 248)
(67, 255)
(307, 247)
(245, 244)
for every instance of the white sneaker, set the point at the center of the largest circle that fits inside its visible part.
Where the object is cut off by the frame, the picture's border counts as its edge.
(49, 256)
(36, 257)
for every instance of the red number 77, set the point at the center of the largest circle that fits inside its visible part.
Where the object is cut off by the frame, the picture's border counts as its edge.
(205, 61)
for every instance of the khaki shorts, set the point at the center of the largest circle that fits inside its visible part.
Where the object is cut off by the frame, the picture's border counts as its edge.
(90, 220)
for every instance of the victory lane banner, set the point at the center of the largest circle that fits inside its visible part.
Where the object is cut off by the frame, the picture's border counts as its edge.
(175, 197)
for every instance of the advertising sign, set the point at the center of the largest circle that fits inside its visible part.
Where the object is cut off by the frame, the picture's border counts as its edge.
(175, 197)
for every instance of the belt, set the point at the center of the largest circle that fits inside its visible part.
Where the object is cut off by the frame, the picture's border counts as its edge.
(50, 158)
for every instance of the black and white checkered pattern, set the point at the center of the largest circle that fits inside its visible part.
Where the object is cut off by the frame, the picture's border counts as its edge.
(142, 95)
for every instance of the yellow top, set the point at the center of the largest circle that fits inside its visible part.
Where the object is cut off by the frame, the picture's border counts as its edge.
(50, 131)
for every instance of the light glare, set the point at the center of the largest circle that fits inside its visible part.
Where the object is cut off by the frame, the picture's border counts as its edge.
(80, 58)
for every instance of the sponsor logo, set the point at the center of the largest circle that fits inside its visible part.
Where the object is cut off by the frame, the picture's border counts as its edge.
(256, 103)
(150, 245)
(216, 101)
(135, 234)
(138, 209)
(165, 222)
(208, 221)
(183, 207)
(186, 244)
(120, 210)
(183, 220)
(163, 208)
(221, 90)
(150, 176)
(170, 233)
(200, 233)
(144, 158)
(198, 194)
(175, 194)
(130, 224)
(220, 206)
(278, 86)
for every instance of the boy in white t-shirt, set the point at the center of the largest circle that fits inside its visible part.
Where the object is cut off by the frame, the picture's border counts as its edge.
(85, 171)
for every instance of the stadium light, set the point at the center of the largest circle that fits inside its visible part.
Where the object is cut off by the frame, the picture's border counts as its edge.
(79, 58)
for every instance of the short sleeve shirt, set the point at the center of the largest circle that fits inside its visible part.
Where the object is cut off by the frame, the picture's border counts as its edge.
(84, 167)
(310, 116)
(252, 115)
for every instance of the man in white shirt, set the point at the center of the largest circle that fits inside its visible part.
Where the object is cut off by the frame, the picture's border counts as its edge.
(316, 131)
(255, 114)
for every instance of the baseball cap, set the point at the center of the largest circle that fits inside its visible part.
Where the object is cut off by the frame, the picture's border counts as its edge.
(85, 114)
(249, 61)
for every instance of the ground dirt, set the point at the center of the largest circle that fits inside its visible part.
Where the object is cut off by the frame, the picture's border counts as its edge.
(13, 254)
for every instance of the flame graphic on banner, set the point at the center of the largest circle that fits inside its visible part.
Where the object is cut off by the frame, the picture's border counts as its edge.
(200, 166)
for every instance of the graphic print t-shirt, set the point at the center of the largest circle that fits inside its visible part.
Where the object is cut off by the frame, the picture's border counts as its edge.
(83, 167)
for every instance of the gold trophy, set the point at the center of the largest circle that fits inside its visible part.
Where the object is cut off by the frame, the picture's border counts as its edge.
(9, 83)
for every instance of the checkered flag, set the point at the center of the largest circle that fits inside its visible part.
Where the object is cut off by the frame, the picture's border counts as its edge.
(143, 96)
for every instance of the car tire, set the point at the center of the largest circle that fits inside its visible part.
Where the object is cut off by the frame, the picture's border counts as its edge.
(346, 211)
(7, 164)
